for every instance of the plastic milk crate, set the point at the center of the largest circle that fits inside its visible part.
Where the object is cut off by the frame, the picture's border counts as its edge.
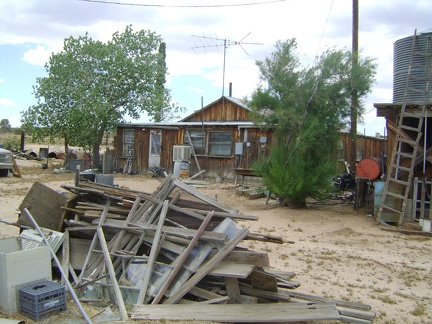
(40, 299)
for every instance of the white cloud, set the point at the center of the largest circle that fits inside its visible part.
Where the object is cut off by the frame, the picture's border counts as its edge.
(198, 90)
(37, 56)
(2, 81)
(7, 102)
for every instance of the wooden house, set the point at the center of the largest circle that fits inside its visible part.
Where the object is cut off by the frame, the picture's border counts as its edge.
(220, 138)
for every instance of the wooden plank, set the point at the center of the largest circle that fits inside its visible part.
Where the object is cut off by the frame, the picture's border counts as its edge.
(286, 275)
(407, 232)
(343, 303)
(267, 238)
(194, 192)
(15, 170)
(65, 255)
(355, 313)
(220, 300)
(232, 270)
(110, 268)
(193, 152)
(93, 243)
(244, 299)
(175, 208)
(78, 249)
(179, 262)
(224, 214)
(45, 205)
(254, 313)
(270, 295)
(259, 259)
(233, 290)
(153, 254)
(194, 176)
(181, 232)
(205, 269)
(203, 294)
(264, 281)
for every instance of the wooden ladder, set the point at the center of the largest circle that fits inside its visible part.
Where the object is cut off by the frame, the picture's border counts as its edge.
(408, 134)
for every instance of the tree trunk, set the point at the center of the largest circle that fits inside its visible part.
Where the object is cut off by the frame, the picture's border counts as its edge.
(96, 147)
(66, 147)
(96, 156)
(294, 204)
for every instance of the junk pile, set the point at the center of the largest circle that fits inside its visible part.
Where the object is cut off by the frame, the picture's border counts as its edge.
(174, 254)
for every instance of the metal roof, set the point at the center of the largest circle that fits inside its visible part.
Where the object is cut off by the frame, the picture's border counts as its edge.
(176, 125)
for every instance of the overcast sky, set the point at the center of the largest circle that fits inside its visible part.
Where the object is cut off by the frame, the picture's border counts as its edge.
(195, 30)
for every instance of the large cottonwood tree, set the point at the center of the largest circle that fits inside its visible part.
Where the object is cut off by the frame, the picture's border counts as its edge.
(307, 107)
(92, 85)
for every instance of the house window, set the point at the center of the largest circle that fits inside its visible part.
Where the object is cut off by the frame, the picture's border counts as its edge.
(128, 142)
(220, 143)
(198, 141)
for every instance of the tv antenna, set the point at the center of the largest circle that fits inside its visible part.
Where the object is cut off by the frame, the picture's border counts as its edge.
(225, 43)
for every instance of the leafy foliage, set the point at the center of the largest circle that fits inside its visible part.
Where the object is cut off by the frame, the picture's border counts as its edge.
(91, 85)
(5, 125)
(306, 107)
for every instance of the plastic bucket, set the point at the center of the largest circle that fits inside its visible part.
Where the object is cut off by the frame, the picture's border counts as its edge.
(181, 169)
(427, 225)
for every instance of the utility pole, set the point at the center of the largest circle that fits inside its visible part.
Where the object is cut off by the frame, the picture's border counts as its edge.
(354, 94)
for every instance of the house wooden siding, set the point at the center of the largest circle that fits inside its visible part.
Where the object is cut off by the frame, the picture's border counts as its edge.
(223, 166)
(226, 115)
(367, 146)
(221, 110)
(140, 160)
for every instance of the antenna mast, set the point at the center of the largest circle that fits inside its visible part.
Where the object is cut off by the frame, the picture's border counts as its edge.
(218, 42)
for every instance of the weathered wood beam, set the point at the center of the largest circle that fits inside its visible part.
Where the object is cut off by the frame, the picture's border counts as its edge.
(205, 269)
(179, 262)
(256, 313)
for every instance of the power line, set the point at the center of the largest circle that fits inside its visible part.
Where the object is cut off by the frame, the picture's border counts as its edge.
(182, 6)
(325, 25)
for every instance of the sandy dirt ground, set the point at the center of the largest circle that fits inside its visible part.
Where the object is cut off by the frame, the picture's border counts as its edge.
(336, 252)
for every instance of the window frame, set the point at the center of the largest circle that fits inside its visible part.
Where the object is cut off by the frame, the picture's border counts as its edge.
(202, 149)
(211, 142)
(128, 142)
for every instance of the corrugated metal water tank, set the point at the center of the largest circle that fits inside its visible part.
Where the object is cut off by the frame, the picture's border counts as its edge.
(401, 57)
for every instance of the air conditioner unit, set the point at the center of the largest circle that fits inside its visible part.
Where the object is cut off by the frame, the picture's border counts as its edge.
(181, 152)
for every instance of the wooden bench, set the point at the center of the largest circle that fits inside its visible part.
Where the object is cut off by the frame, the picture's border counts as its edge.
(243, 173)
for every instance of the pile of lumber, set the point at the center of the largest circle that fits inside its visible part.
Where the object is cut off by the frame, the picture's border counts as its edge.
(176, 254)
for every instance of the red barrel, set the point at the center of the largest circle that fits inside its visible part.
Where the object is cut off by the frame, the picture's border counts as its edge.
(369, 167)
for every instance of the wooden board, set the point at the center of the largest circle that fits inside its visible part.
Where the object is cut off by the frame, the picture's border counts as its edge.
(256, 313)
(45, 205)
(16, 171)
(232, 270)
